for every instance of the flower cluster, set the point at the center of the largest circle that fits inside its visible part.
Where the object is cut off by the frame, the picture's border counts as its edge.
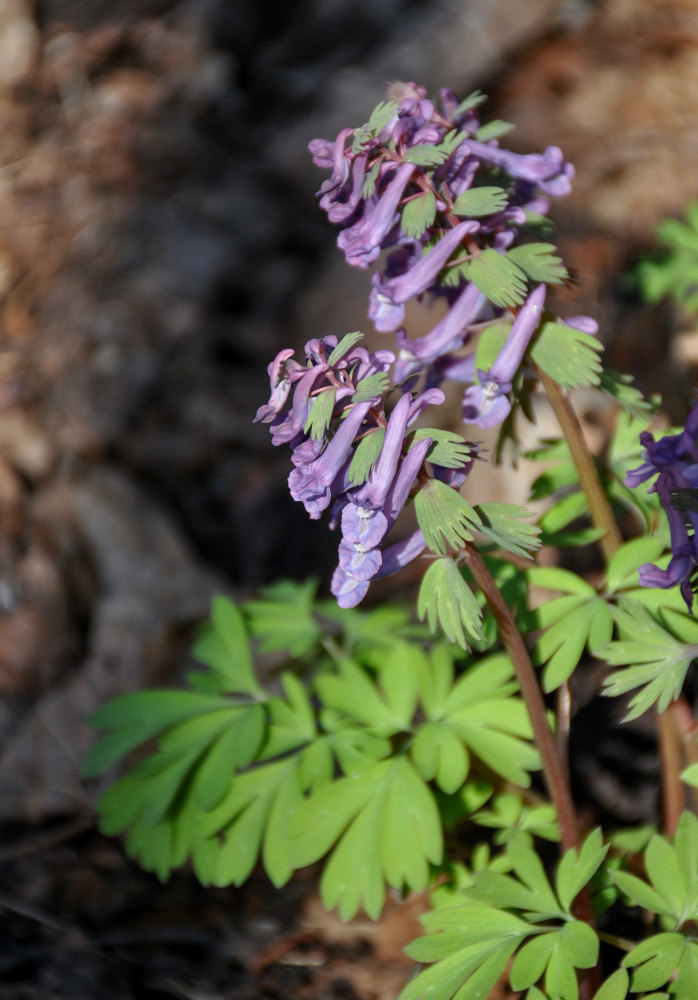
(349, 454)
(454, 212)
(674, 461)
(432, 186)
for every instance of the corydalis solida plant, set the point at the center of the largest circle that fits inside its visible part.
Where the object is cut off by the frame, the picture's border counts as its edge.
(433, 187)
(396, 738)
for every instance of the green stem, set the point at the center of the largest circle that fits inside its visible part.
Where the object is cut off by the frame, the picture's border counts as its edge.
(553, 768)
(600, 508)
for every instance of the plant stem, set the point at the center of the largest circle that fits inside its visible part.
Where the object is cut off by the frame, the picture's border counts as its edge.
(553, 768)
(600, 509)
(670, 761)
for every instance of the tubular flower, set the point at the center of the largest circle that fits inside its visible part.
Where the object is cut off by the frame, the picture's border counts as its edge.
(674, 461)
(487, 404)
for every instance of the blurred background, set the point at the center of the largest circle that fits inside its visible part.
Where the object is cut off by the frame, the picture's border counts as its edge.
(159, 243)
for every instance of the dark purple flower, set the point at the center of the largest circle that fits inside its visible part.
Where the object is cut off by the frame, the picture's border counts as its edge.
(674, 460)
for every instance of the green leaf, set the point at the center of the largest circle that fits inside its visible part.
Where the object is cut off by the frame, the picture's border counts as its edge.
(425, 155)
(137, 717)
(386, 811)
(471, 946)
(560, 647)
(320, 414)
(654, 961)
(502, 524)
(369, 185)
(381, 115)
(445, 600)
(498, 278)
(282, 618)
(479, 201)
(349, 690)
(620, 387)
(615, 987)
(540, 262)
(439, 753)
(568, 356)
(223, 646)
(418, 214)
(638, 892)
(470, 102)
(493, 130)
(372, 385)
(623, 567)
(653, 660)
(365, 456)
(532, 961)
(690, 775)
(448, 449)
(445, 517)
(344, 346)
(576, 868)
(555, 578)
(508, 814)
(560, 977)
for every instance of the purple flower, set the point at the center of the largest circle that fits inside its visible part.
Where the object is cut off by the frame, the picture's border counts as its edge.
(294, 421)
(282, 373)
(361, 243)
(388, 297)
(363, 530)
(310, 484)
(674, 460)
(487, 404)
(548, 170)
(400, 554)
(448, 334)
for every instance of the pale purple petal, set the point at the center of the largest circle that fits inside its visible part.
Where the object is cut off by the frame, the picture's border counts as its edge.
(448, 332)
(400, 554)
(374, 490)
(523, 328)
(548, 170)
(363, 526)
(298, 414)
(347, 589)
(387, 295)
(486, 405)
(430, 397)
(311, 484)
(359, 561)
(361, 242)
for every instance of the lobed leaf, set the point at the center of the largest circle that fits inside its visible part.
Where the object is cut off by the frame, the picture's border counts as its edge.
(493, 130)
(567, 355)
(320, 414)
(445, 600)
(478, 201)
(540, 262)
(502, 524)
(418, 214)
(448, 449)
(283, 618)
(365, 456)
(445, 517)
(498, 278)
